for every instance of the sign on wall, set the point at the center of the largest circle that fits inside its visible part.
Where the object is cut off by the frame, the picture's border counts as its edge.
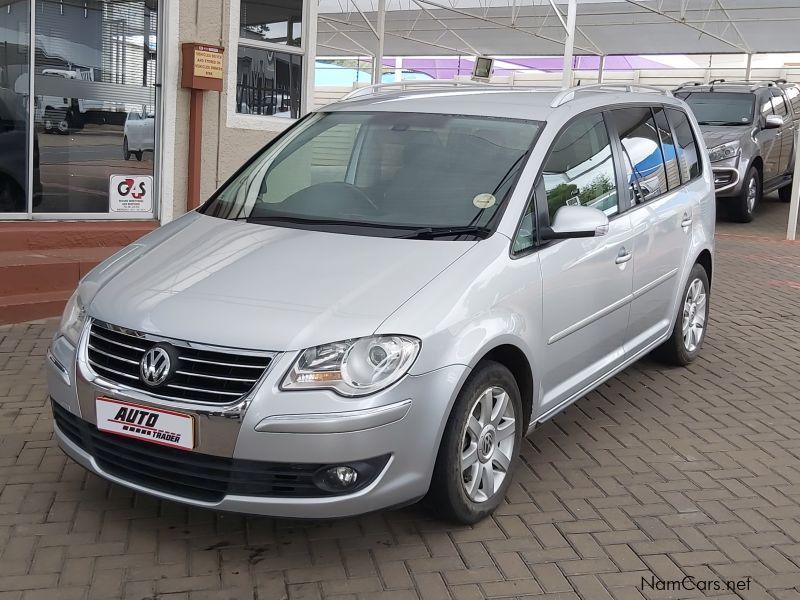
(202, 66)
(208, 62)
(130, 193)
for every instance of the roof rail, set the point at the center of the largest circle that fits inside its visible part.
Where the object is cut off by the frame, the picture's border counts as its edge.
(751, 83)
(686, 84)
(570, 94)
(377, 88)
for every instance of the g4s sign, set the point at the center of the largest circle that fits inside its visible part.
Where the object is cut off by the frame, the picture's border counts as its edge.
(130, 193)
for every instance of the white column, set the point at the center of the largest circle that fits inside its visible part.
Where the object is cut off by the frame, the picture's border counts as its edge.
(791, 229)
(569, 44)
(601, 69)
(310, 56)
(749, 67)
(377, 62)
(398, 68)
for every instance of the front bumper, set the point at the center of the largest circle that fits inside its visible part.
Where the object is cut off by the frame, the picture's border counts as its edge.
(403, 423)
(728, 177)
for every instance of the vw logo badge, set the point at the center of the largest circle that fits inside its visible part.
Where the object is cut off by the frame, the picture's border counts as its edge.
(488, 442)
(154, 367)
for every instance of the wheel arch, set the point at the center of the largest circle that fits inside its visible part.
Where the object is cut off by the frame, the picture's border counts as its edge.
(705, 260)
(515, 360)
(758, 163)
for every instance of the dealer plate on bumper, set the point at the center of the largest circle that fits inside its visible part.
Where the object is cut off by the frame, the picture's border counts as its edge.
(145, 423)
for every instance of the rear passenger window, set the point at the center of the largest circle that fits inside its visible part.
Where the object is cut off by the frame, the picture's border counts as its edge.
(580, 168)
(685, 144)
(778, 103)
(668, 148)
(641, 149)
(793, 94)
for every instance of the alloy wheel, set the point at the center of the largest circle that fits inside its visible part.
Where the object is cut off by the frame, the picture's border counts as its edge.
(694, 315)
(487, 445)
(752, 194)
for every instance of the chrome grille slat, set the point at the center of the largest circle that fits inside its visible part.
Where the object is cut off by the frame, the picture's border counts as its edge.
(192, 389)
(105, 339)
(223, 364)
(205, 374)
(115, 372)
(104, 353)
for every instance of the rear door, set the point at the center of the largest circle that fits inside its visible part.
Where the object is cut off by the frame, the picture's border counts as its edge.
(661, 218)
(769, 140)
(781, 108)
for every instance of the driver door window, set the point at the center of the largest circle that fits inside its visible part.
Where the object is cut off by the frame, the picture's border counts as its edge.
(580, 168)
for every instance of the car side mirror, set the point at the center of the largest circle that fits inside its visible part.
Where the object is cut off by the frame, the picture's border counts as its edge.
(576, 222)
(773, 122)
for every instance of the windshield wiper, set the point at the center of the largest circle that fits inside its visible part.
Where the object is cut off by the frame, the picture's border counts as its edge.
(429, 233)
(722, 123)
(266, 219)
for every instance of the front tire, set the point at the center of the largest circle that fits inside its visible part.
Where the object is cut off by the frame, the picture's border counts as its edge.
(479, 447)
(744, 205)
(689, 332)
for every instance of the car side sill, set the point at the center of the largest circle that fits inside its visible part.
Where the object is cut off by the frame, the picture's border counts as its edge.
(555, 410)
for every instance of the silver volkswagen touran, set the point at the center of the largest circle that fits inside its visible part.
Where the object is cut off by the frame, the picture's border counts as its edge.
(384, 301)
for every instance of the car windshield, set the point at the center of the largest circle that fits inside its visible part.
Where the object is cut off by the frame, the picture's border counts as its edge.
(721, 108)
(381, 173)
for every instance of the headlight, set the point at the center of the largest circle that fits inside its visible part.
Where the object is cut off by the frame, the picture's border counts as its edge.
(73, 320)
(353, 367)
(723, 151)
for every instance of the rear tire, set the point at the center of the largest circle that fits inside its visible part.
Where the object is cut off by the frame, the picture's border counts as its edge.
(744, 205)
(125, 151)
(479, 447)
(691, 322)
(785, 193)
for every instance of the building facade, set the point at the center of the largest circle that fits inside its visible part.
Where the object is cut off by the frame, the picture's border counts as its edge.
(94, 122)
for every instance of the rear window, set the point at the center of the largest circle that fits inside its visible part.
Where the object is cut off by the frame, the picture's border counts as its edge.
(721, 108)
(793, 94)
(689, 163)
(641, 148)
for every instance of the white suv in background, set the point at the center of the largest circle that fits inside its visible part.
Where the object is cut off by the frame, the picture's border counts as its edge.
(139, 134)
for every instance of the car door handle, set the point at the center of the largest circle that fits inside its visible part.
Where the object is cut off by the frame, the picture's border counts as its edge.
(623, 256)
(687, 221)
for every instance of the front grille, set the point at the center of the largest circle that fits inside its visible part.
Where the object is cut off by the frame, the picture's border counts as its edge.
(193, 475)
(216, 376)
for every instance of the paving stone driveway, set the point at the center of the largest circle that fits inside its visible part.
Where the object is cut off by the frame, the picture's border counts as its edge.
(661, 473)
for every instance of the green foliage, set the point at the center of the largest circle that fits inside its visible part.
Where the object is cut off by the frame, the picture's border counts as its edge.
(558, 196)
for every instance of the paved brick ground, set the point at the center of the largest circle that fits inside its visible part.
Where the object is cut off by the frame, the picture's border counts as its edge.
(664, 472)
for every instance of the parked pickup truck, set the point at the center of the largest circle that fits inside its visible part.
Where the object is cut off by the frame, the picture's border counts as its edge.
(750, 129)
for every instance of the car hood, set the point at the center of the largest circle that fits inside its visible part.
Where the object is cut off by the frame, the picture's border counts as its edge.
(272, 288)
(715, 135)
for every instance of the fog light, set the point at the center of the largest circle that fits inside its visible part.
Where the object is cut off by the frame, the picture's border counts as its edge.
(341, 477)
(348, 478)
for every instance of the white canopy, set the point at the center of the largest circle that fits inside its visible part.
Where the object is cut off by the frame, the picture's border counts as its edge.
(538, 27)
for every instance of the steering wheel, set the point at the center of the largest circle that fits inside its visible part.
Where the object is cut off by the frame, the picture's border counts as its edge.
(361, 194)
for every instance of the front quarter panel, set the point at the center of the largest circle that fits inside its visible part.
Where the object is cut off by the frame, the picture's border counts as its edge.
(484, 300)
